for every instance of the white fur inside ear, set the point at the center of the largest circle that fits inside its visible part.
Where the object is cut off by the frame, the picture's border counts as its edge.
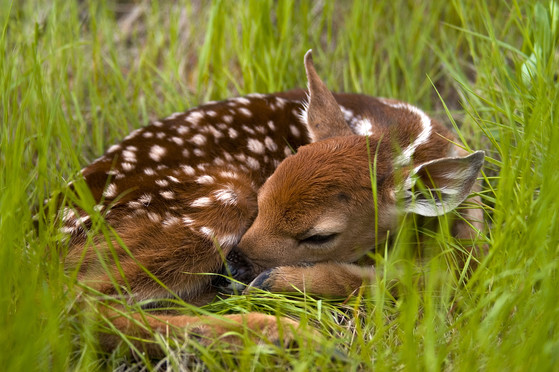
(303, 116)
(454, 179)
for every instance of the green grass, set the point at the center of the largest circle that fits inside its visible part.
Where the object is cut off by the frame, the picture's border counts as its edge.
(76, 77)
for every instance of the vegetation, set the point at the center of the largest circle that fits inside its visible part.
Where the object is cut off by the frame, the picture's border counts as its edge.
(77, 76)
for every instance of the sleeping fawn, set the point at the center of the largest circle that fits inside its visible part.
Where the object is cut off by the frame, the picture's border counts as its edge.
(222, 180)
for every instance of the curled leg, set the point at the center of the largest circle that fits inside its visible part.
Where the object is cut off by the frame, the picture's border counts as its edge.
(326, 279)
(229, 329)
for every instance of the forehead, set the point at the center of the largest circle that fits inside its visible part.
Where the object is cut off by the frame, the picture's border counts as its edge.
(318, 177)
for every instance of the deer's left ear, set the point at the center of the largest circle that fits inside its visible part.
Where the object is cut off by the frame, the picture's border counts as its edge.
(323, 116)
(437, 187)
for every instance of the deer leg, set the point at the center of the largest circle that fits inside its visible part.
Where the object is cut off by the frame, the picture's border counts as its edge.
(326, 279)
(228, 329)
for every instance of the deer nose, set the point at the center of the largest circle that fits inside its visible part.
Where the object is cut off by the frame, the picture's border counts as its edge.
(242, 268)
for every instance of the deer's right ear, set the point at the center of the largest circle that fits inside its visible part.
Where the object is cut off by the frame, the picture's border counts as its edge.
(439, 186)
(323, 116)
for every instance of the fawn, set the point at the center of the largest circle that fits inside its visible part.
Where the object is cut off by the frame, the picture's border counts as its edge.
(222, 180)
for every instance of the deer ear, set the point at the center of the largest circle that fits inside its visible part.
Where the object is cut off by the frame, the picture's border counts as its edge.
(443, 184)
(323, 116)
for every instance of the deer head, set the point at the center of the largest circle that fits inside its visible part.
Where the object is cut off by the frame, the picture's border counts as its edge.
(319, 205)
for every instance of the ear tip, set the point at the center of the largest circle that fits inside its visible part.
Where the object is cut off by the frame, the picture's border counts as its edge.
(308, 59)
(479, 157)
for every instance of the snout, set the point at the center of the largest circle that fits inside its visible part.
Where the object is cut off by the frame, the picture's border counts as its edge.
(241, 268)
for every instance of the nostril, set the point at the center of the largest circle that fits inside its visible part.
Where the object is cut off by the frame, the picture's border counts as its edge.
(241, 268)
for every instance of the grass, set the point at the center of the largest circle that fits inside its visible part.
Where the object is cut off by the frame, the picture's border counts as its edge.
(76, 77)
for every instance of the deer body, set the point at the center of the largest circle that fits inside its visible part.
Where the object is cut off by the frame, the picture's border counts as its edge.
(220, 179)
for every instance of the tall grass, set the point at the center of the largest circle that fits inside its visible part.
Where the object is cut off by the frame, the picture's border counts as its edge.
(75, 77)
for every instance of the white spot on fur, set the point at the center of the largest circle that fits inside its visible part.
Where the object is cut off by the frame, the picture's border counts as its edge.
(228, 174)
(81, 220)
(199, 152)
(147, 134)
(67, 229)
(132, 134)
(173, 179)
(129, 156)
(68, 214)
(113, 172)
(199, 139)
(207, 231)
(227, 196)
(270, 144)
(363, 127)
(128, 166)
(241, 100)
(348, 114)
(179, 141)
(194, 117)
(205, 180)
(211, 129)
(167, 194)
(149, 171)
(170, 221)
(139, 212)
(211, 113)
(160, 135)
(228, 119)
(287, 151)
(113, 148)
(280, 102)
(188, 170)
(255, 146)
(248, 130)
(157, 123)
(256, 95)
(145, 199)
(246, 112)
(271, 125)
(111, 191)
(154, 217)
(183, 129)
(294, 130)
(185, 153)
(162, 183)
(252, 163)
(232, 133)
(157, 152)
(201, 202)
(134, 204)
(174, 115)
(187, 220)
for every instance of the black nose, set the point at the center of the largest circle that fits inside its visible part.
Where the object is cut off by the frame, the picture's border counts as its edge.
(239, 267)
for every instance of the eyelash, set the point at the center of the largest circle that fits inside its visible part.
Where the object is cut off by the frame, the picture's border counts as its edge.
(318, 239)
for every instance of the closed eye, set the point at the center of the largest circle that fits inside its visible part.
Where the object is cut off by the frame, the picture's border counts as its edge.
(318, 239)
